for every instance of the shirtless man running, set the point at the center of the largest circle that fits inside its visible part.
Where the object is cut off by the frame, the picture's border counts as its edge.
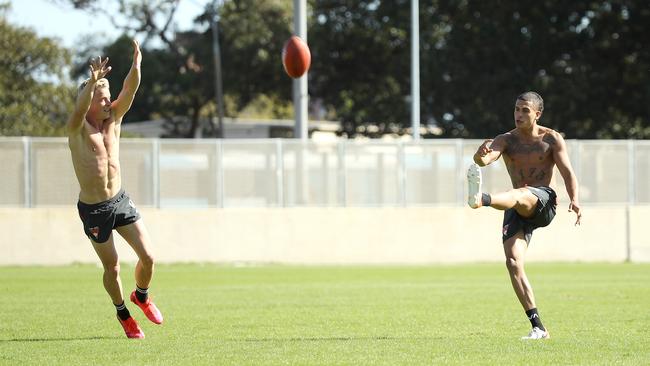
(530, 152)
(93, 137)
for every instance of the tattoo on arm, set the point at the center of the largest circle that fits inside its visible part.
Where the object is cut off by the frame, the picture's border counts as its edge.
(549, 139)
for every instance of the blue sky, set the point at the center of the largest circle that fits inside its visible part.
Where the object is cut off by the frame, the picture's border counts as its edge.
(54, 19)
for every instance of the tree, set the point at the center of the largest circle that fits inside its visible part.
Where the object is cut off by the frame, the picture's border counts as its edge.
(34, 96)
(361, 66)
(178, 78)
(253, 33)
(587, 59)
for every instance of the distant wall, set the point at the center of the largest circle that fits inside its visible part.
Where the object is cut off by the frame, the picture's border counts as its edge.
(53, 236)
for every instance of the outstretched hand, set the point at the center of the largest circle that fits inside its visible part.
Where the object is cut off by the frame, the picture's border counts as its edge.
(485, 149)
(137, 55)
(575, 208)
(98, 68)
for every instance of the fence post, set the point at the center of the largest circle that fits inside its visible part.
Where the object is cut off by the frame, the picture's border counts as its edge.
(401, 176)
(219, 172)
(27, 171)
(341, 173)
(631, 177)
(279, 173)
(155, 181)
(460, 173)
(631, 198)
(577, 167)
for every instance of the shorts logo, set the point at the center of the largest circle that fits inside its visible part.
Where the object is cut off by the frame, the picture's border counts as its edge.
(505, 229)
(94, 231)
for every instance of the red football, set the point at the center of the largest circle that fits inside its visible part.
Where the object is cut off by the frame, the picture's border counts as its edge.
(296, 57)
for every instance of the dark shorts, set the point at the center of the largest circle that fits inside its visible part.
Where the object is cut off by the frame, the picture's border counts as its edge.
(99, 219)
(544, 214)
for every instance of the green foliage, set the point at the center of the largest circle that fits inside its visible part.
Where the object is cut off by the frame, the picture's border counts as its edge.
(33, 101)
(360, 60)
(178, 80)
(267, 107)
(588, 59)
(252, 34)
(338, 315)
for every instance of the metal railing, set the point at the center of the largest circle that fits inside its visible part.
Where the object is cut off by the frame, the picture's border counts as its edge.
(36, 172)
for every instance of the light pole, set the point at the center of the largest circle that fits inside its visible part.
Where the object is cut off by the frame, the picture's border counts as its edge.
(415, 69)
(300, 94)
(216, 51)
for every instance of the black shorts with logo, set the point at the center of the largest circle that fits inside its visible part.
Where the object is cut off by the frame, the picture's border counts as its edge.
(544, 214)
(99, 219)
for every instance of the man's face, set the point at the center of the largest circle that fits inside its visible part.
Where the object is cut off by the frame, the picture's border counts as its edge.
(525, 114)
(100, 106)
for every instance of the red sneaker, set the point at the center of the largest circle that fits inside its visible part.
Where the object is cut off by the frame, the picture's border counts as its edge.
(149, 309)
(131, 328)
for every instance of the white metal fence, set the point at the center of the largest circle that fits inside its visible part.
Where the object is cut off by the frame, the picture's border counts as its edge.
(37, 172)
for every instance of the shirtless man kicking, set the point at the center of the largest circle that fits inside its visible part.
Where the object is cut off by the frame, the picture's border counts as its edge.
(530, 152)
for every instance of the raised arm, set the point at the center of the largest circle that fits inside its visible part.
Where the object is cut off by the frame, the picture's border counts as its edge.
(123, 102)
(98, 70)
(490, 150)
(563, 163)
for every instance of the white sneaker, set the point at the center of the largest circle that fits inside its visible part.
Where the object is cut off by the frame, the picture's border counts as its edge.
(537, 333)
(474, 186)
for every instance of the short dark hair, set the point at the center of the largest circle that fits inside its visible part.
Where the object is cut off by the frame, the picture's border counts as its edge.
(536, 99)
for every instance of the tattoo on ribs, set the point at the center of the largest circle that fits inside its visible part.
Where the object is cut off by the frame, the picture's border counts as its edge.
(533, 174)
(541, 173)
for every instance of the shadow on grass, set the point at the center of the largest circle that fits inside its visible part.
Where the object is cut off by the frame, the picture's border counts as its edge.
(18, 340)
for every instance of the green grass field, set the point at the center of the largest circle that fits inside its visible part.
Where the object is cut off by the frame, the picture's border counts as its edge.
(274, 315)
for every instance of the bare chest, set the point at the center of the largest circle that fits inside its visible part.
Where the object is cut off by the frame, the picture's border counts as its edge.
(103, 142)
(529, 163)
(534, 152)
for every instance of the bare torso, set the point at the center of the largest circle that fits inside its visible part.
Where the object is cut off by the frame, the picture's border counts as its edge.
(95, 156)
(530, 160)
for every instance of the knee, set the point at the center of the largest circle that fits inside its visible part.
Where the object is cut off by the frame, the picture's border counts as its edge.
(147, 260)
(112, 270)
(523, 199)
(513, 265)
(520, 194)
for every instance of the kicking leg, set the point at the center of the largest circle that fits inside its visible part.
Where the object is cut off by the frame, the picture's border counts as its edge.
(474, 181)
(521, 199)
